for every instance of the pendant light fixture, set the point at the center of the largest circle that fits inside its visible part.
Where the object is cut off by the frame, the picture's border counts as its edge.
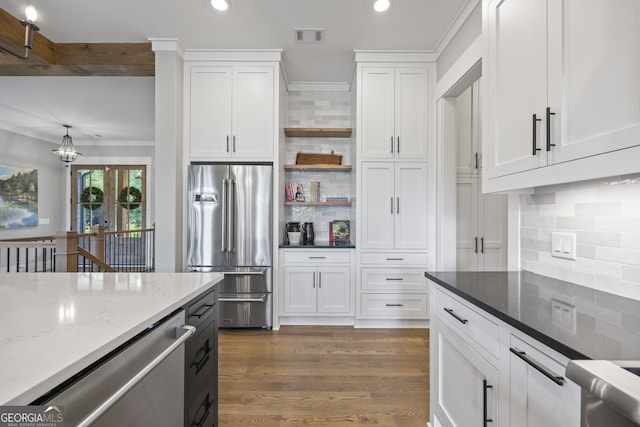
(67, 152)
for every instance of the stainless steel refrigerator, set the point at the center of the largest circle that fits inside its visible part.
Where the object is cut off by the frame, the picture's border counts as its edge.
(230, 219)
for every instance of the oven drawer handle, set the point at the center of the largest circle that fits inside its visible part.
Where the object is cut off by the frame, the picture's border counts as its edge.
(262, 299)
(202, 311)
(456, 316)
(187, 331)
(538, 366)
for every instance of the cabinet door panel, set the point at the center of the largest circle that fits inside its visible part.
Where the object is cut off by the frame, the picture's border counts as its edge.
(536, 401)
(377, 112)
(493, 220)
(300, 290)
(210, 111)
(518, 60)
(334, 293)
(594, 64)
(411, 113)
(411, 206)
(467, 225)
(465, 151)
(253, 112)
(460, 387)
(378, 210)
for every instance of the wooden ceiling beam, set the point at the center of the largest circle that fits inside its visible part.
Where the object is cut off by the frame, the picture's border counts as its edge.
(47, 58)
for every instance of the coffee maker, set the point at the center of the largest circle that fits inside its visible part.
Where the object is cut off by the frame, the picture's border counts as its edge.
(307, 233)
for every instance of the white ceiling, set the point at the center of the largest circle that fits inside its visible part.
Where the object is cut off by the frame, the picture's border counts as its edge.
(121, 108)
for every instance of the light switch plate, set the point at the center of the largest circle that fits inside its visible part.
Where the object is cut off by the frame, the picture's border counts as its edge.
(563, 245)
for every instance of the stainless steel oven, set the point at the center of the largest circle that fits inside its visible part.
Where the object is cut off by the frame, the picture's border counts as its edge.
(610, 392)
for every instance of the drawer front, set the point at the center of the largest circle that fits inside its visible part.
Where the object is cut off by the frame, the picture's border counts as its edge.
(200, 359)
(393, 279)
(202, 409)
(201, 311)
(381, 259)
(472, 323)
(395, 306)
(317, 257)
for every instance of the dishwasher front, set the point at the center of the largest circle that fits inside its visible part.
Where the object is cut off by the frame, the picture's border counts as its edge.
(140, 384)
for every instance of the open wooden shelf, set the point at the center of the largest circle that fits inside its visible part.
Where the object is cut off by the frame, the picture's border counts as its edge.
(318, 132)
(316, 204)
(318, 168)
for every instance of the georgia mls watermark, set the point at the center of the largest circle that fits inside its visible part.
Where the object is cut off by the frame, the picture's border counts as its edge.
(31, 416)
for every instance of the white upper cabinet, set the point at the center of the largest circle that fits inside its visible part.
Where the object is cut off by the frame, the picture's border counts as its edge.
(394, 113)
(562, 85)
(230, 112)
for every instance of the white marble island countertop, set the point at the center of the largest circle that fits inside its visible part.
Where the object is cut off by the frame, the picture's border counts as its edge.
(55, 324)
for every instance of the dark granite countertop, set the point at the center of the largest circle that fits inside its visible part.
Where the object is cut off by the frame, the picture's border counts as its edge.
(606, 326)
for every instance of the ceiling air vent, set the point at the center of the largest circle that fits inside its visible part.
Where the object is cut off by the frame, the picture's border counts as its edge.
(309, 35)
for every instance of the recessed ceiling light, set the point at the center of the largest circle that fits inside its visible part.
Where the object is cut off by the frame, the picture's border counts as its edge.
(221, 5)
(381, 5)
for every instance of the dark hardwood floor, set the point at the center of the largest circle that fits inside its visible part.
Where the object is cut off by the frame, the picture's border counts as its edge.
(324, 376)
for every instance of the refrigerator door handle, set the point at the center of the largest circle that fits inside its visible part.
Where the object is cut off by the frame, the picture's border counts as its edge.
(225, 220)
(231, 216)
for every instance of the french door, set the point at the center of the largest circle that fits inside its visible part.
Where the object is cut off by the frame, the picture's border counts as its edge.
(113, 196)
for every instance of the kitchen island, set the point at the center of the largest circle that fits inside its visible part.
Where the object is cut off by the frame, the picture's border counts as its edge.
(55, 325)
(500, 343)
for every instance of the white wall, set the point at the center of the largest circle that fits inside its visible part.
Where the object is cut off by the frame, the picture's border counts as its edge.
(23, 151)
(605, 216)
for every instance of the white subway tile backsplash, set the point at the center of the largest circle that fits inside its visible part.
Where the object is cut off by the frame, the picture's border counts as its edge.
(630, 240)
(605, 216)
(622, 224)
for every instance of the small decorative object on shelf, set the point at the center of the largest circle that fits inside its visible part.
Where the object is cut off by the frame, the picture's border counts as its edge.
(337, 199)
(339, 233)
(318, 159)
(293, 192)
(314, 191)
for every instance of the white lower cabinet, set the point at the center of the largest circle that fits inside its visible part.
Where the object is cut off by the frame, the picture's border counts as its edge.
(316, 290)
(466, 384)
(540, 394)
(393, 292)
(316, 282)
(485, 372)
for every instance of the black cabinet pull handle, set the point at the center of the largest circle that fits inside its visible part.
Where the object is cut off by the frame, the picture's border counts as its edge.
(393, 305)
(535, 134)
(202, 311)
(206, 404)
(397, 205)
(394, 278)
(234, 143)
(485, 387)
(549, 114)
(395, 259)
(227, 143)
(392, 206)
(199, 364)
(392, 144)
(476, 156)
(457, 317)
(538, 366)
(317, 257)
(398, 146)
(476, 245)
(482, 244)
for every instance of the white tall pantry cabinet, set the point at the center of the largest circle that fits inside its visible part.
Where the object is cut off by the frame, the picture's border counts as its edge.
(481, 219)
(394, 206)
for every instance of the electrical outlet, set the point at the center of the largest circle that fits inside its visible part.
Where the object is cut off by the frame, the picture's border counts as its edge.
(563, 245)
(324, 226)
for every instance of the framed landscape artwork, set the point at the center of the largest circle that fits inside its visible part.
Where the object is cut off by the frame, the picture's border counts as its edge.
(18, 197)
